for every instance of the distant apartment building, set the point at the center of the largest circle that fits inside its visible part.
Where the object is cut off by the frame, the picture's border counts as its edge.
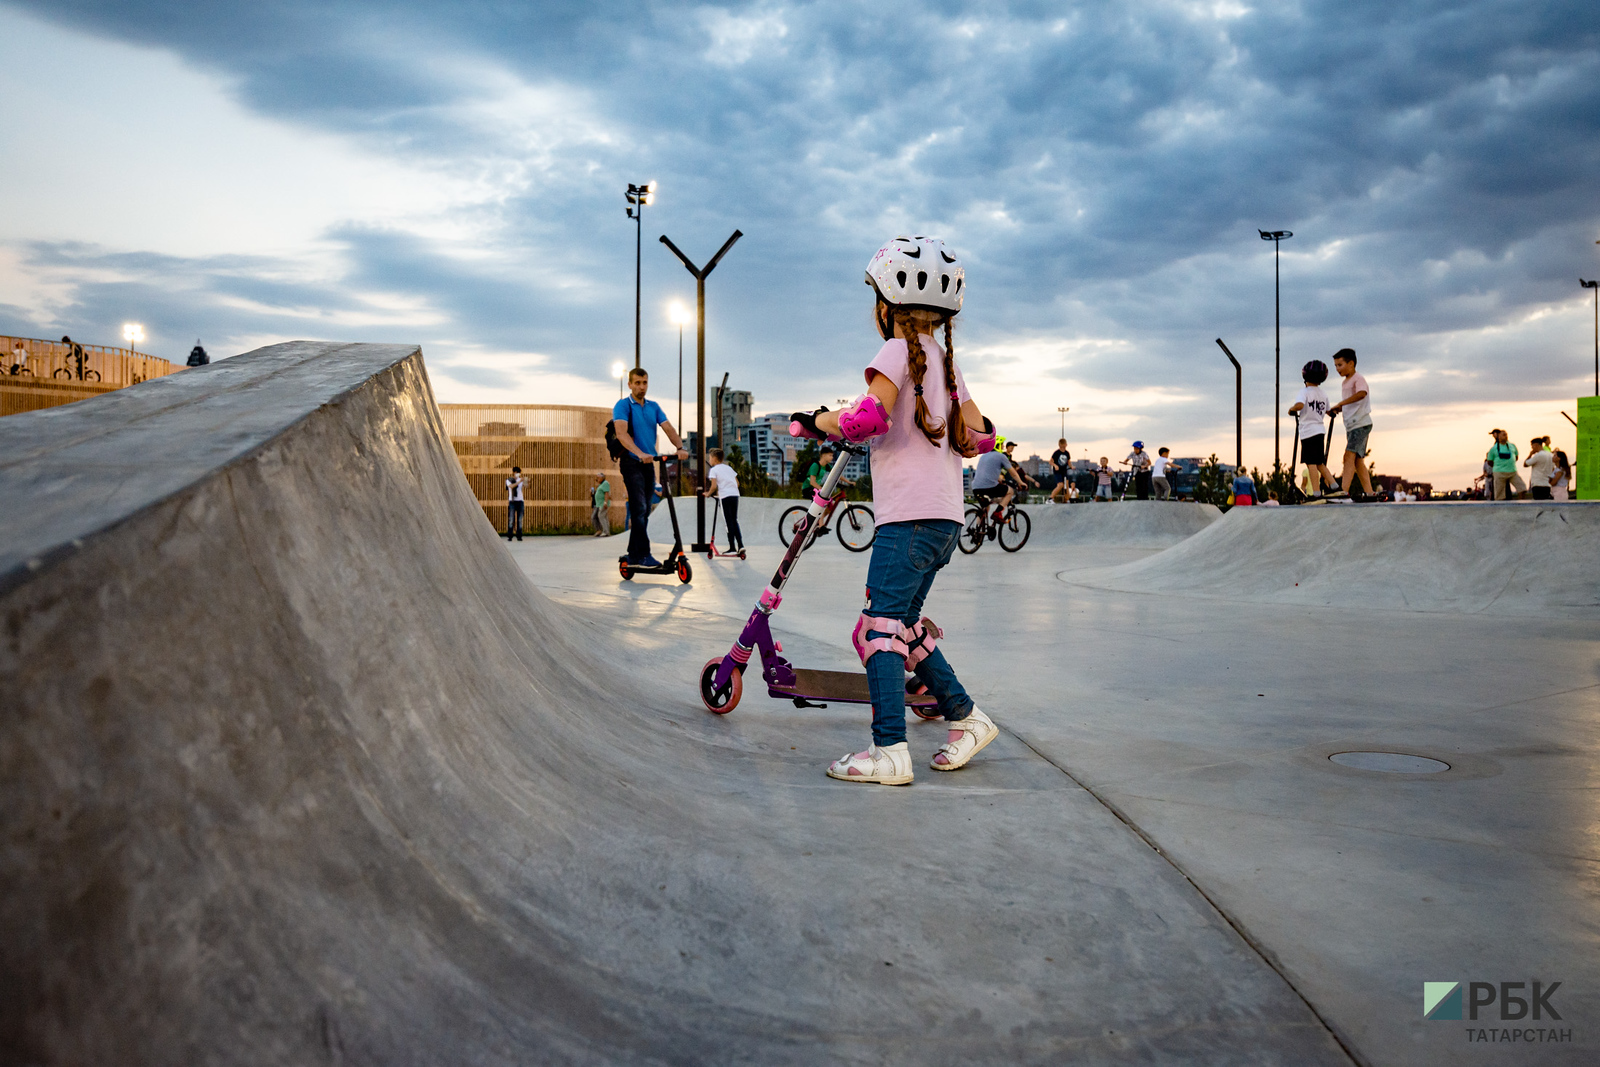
(1035, 467)
(735, 409)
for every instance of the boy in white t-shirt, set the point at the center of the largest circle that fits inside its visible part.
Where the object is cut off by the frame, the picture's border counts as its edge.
(726, 480)
(1311, 407)
(1158, 474)
(1356, 406)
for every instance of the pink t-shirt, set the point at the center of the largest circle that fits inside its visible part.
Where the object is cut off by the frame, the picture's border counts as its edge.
(911, 477)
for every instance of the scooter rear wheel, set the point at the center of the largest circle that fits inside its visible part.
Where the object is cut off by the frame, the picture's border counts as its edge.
(626, 571)
(724, 701)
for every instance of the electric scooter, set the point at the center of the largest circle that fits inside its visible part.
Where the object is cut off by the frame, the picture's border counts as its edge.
(722, 680)
(675, 562)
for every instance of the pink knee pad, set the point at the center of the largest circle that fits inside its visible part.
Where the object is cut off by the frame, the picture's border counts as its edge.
(866, 646)
(921, 639)
(865, 419)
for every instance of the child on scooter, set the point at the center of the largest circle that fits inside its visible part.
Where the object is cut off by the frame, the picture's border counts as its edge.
(921, 421)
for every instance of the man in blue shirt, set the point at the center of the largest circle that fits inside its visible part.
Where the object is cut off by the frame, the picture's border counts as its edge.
(636, 419)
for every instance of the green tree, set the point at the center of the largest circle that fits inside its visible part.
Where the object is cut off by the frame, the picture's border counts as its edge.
(1214, 483)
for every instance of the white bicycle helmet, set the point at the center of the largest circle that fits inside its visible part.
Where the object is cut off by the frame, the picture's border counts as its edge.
(917, 273)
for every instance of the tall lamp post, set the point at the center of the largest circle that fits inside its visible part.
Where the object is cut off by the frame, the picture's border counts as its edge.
(1238, 407)
(619, 369)
(638, 196)
(1063, 421)
(133, 333)
(1275, 236)
(680, 318)
(1595, 285)
(700, 276)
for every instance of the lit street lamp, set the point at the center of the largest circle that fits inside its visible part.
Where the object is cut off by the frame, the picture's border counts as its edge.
(638, 196)
(1063, 420)
(1276, 236)
(1595, 285)
(132, 333)
(680, 318)
(619, 369)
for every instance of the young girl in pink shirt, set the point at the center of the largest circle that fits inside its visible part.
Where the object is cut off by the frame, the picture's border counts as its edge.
(921, 422)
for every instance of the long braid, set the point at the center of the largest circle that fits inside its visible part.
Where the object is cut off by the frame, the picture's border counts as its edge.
(918, 362)
(957, 424)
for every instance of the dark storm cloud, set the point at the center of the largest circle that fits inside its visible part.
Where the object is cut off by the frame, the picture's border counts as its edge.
(1102, 167)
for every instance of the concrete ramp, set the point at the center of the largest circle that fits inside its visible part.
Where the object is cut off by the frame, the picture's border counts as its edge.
(1124, 523)
(296, 768)
(1522, 558)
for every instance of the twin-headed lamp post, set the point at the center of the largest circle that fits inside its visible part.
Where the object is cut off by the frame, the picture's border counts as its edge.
(638, 197)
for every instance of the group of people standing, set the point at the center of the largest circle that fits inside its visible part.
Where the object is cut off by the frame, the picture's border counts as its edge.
(1549, 470)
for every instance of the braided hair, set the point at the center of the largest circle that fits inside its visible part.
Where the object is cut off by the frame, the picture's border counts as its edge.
(917, 361)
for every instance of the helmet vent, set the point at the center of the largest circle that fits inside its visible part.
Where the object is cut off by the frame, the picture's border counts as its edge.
(944, 283)
(922, 279)
(948, 258)
(900, 276)
(959, 283)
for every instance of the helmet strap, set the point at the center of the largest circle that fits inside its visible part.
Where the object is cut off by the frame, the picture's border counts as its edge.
(884, 315)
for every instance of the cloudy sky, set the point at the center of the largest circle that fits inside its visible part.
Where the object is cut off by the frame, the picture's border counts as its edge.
(452, 174)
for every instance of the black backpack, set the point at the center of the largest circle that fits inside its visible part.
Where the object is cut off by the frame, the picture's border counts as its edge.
(613, 443)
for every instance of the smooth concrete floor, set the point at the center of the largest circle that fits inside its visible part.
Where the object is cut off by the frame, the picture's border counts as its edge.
(1206, 727)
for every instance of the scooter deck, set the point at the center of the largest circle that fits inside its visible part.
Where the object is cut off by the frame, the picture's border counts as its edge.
(847, 687)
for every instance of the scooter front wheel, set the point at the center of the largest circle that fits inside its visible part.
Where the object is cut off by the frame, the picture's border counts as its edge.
(721, 701)
(625, 570)
(684, 570)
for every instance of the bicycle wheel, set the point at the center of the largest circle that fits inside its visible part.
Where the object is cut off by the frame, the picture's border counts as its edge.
(856, 528)
(789, 523)
(61, 372)
(1015, 530)
(972, 532)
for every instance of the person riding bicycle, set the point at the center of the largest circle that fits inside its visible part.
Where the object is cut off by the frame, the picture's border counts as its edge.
(989, 480)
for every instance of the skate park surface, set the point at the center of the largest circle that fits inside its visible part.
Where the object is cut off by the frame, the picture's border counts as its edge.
(302, 763)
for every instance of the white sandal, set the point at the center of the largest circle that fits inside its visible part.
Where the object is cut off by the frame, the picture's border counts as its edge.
(882, 766)
(976, 731)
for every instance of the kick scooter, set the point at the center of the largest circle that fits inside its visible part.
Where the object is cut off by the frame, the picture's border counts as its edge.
(712, 551)
(722, 680)
(675, 561)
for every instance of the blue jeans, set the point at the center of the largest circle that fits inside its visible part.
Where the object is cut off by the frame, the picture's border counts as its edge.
(640, 480)
(905, 558)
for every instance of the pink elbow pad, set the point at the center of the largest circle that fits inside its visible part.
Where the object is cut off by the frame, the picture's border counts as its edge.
(865, 419)
(979, 441)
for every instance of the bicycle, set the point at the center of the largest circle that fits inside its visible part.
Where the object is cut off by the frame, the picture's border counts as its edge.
(1011, 529)
(80, 357)
(855, 526)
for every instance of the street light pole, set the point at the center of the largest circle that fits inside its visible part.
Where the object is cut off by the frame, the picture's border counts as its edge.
(638, 196)
(1276, 236)
(680, 317)
(1063, 420)
(1238, 406)
(700, 276)
(1595, 285)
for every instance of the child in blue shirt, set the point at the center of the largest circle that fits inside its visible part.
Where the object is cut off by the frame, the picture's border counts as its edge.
(1244, 489)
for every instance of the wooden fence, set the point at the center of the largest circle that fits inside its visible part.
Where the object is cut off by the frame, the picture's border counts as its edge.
(95, 364)
(560, 449)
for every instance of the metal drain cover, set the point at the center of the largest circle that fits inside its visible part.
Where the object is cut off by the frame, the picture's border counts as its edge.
(1389, 762)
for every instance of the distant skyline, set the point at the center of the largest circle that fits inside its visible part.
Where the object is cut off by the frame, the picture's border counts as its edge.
(453, 175)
